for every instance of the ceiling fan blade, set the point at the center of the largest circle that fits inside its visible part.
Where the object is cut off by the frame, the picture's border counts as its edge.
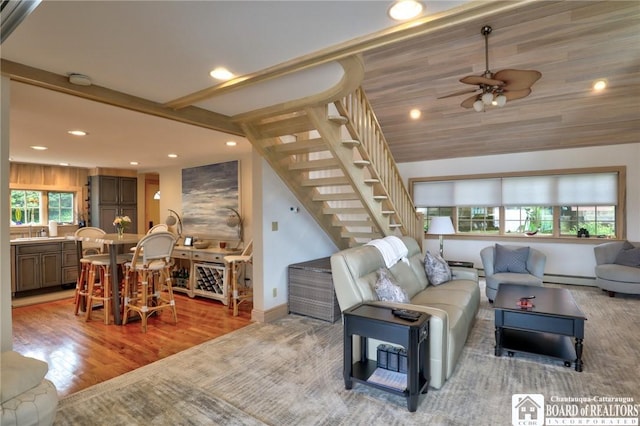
(478, 79)
(468, 103)
(517, 79)
(512, 95)
(461, 92)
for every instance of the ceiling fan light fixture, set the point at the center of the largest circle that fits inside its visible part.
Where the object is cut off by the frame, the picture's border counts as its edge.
(487, 98)
(500, 100)
(478, 105)
(401, 10)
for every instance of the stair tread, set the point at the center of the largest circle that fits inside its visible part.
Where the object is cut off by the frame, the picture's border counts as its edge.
(322, 164)
(339, 196)
(301, 147)
(330, 181)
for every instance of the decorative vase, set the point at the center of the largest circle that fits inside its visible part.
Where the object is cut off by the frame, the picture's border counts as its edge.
(120, 230)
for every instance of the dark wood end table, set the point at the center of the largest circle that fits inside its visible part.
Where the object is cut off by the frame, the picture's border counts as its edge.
(545, 329)
(378, 322)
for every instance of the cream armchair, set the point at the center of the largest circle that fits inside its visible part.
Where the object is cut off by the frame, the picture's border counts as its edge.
(510, 265)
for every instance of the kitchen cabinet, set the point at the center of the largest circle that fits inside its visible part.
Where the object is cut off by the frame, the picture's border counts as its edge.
(42, 264)
(113, 196)
(38, 266)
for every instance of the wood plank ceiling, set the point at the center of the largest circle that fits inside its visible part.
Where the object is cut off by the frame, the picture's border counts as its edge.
(572, 43)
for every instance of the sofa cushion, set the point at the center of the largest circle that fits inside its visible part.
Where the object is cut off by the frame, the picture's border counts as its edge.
(620, 273)
(19, 374)
(406, 278)
(388, 289)
(628, 256)
(436, 268)
(511, 259)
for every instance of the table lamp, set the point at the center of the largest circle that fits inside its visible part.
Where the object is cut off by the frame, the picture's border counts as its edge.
(441, 225)
(174, 218)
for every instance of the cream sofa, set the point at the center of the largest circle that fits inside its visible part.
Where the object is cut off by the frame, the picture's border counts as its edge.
(27, 397)
(453, 305)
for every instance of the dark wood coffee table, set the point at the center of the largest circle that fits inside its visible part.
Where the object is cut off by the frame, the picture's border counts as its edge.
(544, 329)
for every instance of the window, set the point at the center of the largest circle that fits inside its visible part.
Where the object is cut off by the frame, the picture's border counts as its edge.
(39, 207)
(61, 206)
(434, 211)
(597, 220)
(553, 203)
(485, 220)
(528, 219)
(26, 207)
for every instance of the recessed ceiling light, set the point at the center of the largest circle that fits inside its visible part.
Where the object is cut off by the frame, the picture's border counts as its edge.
(221, 73)
(77, 132)
(133, 163)
(401, 10)
(39, 148)
(172, 155)
(231, 143)
(599, 85)
(415, 113)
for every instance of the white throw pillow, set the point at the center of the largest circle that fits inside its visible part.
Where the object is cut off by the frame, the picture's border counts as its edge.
(436, 268)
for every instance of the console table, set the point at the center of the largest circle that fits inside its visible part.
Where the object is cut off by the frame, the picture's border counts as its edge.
(208, 275)
(378, 322)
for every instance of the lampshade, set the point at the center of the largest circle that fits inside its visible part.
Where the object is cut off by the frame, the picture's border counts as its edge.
(234, 219)
(478, 105)
(173, 219)
(441, 225)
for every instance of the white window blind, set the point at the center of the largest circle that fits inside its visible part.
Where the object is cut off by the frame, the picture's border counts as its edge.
(433, 194)
(528, 191)
(552, 190)
(588, 189)
(468, 192)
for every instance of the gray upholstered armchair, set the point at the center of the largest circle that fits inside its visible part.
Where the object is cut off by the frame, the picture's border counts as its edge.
(513, 265)
(616, 273)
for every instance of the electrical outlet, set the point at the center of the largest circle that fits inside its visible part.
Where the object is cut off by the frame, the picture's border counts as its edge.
(274, 226)
(275, 292)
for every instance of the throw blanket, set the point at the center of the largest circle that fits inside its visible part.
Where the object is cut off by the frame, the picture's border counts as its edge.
(392, 250)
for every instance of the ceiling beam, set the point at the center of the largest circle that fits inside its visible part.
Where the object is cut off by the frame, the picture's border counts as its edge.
(465, 13)
(190, 115)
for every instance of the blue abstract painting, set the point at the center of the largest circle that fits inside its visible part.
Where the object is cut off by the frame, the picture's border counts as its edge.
(207, 194)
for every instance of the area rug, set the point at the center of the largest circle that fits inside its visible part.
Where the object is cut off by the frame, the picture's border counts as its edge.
(290, 373)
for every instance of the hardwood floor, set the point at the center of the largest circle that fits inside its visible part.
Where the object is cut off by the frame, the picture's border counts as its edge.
(81, 354)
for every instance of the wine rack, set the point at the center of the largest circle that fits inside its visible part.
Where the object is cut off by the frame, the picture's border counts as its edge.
(210, 280)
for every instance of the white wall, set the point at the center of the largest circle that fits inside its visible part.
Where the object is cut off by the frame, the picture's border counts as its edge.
(171, 188)
(562, 258)
(6, 334)
(298, 238)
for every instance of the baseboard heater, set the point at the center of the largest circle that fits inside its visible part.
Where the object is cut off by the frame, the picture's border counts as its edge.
(562, 279)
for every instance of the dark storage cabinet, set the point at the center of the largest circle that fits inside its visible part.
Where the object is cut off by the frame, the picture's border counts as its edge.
(311, 291)
(113, 196)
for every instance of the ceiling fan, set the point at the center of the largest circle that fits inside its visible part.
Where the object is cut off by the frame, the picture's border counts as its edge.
(496, 89)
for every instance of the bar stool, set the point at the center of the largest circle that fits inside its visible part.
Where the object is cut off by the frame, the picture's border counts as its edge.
(90, 252)
(100, 290)
(234, 263)
(147, 285)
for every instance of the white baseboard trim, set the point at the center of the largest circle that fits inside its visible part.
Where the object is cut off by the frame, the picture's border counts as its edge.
(270, 315)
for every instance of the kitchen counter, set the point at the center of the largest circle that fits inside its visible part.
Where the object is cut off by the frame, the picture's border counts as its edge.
(35, 240)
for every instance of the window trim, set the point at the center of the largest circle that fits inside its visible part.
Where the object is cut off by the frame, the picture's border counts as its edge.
(621, 171)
